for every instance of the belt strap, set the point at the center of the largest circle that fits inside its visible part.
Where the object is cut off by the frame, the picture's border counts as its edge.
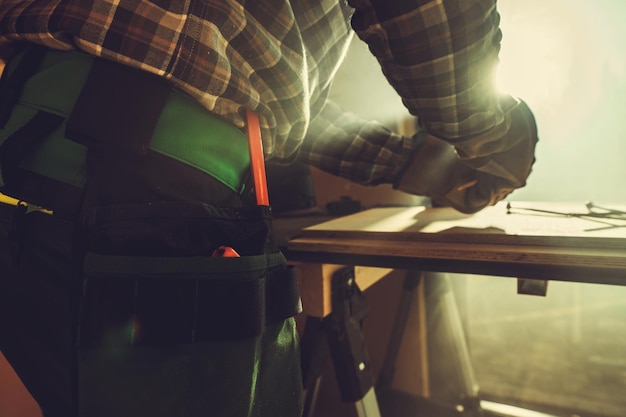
(118, 108)
(14, 148)
(122, 109)
(109, 104)
(11, 84)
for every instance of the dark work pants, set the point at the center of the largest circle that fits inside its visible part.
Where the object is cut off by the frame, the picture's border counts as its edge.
(35, 319)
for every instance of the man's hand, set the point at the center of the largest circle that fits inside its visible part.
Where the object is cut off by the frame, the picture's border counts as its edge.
(481, 170)
(435, 170)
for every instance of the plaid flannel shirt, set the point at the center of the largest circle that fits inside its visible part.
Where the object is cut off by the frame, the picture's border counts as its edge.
(278, 58)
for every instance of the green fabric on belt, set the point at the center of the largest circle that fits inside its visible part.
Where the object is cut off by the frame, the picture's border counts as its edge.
(190, 134)
(54, 89)
(185, 130)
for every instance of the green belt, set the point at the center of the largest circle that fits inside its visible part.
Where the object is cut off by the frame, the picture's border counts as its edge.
(185, 131)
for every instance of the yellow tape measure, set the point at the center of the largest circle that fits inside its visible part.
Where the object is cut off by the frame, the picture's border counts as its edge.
(5, 199)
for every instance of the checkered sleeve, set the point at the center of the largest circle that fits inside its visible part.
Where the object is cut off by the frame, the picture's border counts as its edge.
(440, 56)
(365, 152)
(278, 58)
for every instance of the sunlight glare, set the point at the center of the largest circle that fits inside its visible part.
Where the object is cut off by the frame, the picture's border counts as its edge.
(535, 59)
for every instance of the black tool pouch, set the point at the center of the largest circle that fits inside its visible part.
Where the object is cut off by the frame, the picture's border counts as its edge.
(151, 278)
(153, 296)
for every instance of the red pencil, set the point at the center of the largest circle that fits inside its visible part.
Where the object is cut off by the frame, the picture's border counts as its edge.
(257, 159)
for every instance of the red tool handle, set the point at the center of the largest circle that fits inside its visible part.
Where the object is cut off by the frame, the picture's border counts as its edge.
(257, 160)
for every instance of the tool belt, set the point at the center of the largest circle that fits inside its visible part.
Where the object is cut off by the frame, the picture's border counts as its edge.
(55, 105)
(148, 274)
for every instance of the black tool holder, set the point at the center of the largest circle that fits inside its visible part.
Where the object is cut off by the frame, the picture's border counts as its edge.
(340, 335)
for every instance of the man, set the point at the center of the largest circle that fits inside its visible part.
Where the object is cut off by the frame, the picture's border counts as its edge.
(126, 120)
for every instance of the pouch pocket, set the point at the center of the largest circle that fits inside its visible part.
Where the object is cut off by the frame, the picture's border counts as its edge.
(155, 301)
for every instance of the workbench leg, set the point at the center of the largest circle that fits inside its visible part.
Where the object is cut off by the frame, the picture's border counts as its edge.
(314, 350)
(411, 283)
(340, 336)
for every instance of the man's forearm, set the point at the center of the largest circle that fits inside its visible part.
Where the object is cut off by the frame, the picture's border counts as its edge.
(440, 56)
(363, 151)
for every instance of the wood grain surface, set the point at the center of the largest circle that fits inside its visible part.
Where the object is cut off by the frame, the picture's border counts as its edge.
(511, 241)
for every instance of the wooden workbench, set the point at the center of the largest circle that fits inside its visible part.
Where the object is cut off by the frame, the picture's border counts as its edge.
(534, 242)
(514, 242)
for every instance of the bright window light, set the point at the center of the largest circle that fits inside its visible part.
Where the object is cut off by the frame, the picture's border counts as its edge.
(536, 55)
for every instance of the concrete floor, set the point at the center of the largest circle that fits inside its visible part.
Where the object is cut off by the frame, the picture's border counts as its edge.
(566, 350)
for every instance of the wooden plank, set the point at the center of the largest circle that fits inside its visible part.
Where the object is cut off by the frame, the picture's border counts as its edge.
(368, 276)
(315, 284)
(493, 225)
(527, 244)
(492, 253)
